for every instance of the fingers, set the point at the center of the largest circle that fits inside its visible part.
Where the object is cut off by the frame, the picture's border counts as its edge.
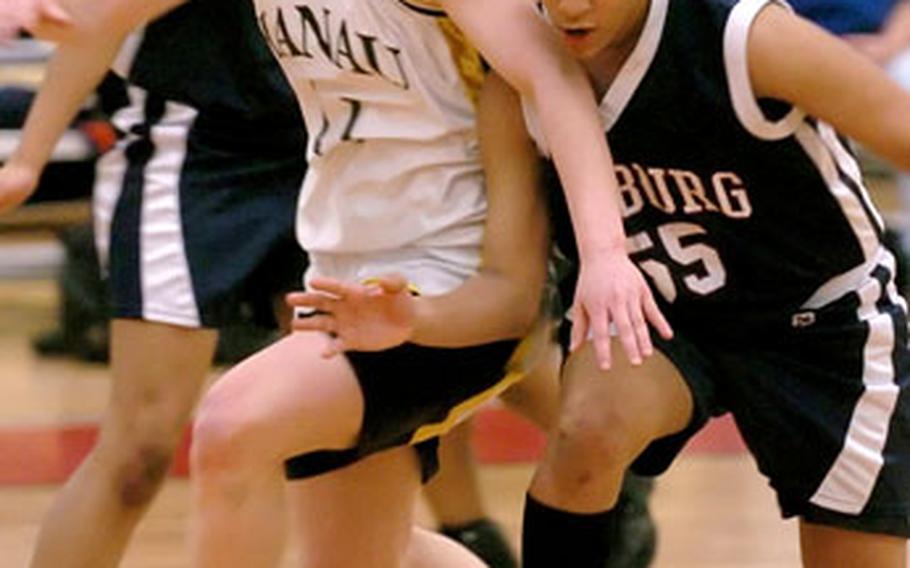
(656, 318)
(600, 331)
(333, 346)
(54, 12)
(642, 334)
(323, 323)
(335, 287)
(311, 300)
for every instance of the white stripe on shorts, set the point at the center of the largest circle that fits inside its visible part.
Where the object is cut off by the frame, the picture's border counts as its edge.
(850, 481)
(110, 172)
(167, 288)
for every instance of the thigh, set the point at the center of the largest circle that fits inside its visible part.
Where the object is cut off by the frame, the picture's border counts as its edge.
(365, 510)
(411, 395)
(286, 399)
(825, 546)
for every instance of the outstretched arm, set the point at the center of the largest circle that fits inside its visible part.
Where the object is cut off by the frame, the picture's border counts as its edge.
(527, 53)
(91, 33)
(500, 302)
(792, 60)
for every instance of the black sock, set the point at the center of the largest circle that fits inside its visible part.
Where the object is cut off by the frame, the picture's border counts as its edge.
(551, 537)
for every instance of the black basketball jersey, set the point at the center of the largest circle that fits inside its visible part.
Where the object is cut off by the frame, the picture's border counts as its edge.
(739, 211)
(210, 55)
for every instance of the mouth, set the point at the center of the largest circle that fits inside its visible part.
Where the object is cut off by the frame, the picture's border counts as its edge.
(576, 35)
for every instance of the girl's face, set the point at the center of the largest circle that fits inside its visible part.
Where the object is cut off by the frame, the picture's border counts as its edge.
(587, 27)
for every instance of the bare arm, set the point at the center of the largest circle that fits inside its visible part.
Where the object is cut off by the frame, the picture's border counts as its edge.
(527, 53)
(503, 300)
(91, 37)
(500, 302)
(793, 60)
(535, 64)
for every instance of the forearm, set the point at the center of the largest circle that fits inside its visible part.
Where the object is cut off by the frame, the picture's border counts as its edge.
(489, 307)
(535, 63)
(585, 167)
(73, 73)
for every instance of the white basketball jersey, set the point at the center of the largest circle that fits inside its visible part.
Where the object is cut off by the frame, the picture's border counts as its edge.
(395, 182)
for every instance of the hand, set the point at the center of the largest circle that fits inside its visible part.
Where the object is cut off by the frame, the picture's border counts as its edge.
(611, 290)
(362, 317)
(17, 183)
(19, 14)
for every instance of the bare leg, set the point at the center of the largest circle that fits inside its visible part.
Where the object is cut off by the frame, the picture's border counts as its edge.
(830, 547)
(158, 371)
(606, 420)
(454, 494)
(283, 401)
(432, 550)
(366, 510)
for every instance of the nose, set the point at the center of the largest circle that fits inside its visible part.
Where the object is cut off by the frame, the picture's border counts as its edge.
(573, 9)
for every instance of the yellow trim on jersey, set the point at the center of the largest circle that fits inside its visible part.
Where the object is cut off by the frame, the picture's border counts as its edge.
(456, 413)
(466, 58)
(520, 364)
(412, 288)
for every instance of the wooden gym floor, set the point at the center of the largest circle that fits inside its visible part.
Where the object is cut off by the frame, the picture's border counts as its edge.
(713, 509)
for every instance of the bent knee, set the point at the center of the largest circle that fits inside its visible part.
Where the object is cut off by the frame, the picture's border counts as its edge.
(216, 439)
(225, 439)
(604, 440)
(141, 476)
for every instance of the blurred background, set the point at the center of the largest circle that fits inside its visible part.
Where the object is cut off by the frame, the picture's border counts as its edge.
(712, 509)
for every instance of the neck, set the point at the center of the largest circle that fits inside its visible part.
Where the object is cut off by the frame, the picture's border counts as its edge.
(603, 67)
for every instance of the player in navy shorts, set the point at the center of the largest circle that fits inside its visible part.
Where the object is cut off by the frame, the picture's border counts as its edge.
(747, 211)
(194, 221)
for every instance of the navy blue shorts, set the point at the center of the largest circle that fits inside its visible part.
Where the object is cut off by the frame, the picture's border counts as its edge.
(192, 227)
(412, 395)
(822, 403)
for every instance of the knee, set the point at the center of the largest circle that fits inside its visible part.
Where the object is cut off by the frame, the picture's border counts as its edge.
(142, 474)
(215, 440)
(223, 440)
(601, 441)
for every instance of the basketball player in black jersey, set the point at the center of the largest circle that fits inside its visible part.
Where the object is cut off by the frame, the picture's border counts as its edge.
(746, 209)
(748, 213)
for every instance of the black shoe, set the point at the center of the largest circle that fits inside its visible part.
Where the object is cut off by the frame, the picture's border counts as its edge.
(90, 344)
(50, 344)
(485, 539)
(633, 540)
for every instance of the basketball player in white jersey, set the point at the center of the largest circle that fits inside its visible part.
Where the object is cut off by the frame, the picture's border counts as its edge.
(352, 116)
(610, 289)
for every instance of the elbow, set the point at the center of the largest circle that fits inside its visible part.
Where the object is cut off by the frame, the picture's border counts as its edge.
(526, 309)
(901, 158)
